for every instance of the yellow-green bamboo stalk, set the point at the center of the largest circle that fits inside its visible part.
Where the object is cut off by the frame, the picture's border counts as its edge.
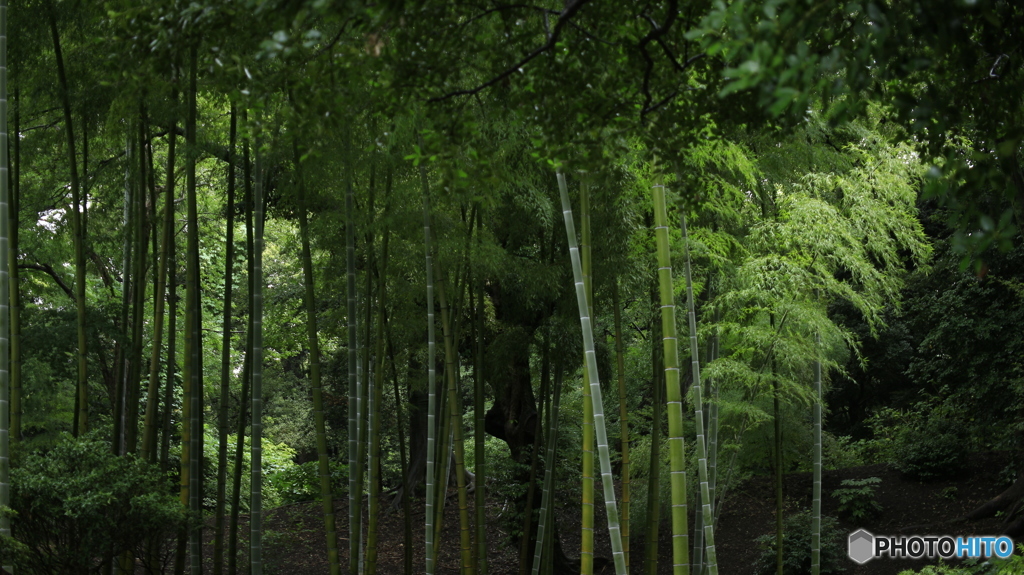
(373, 420)
(5, 462)
(256, 443)
(193, 323)
(543, 532)
(620, 365)
(458, 441)
(225, 358)
(319, 425)
(431, 550)
(76, 226)
(479, 416)
(604, 457)
(673, 396)
(706, 529)
(15, 193)
(816, 490)
(587, 523)
(149, 431)
(354, 518)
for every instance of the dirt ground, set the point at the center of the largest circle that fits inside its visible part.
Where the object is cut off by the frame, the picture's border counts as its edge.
(294, 539)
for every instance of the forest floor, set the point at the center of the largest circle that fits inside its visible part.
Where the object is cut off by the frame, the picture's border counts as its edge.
(294, 541)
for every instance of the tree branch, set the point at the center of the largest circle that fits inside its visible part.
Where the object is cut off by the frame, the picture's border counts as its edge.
(556, 31)
(48, 269)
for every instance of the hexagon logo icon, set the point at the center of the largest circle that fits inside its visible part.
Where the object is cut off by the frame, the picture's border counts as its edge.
(861, 546)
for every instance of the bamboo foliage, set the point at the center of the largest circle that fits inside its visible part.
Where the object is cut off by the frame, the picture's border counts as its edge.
(673, 396)
(607, 481)
(706, 528)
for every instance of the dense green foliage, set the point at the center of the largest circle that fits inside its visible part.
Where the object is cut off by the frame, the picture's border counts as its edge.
(78, 505)
(849, 173)
(797, 545)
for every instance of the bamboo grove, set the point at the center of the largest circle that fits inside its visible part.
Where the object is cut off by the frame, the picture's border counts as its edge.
(228, 259)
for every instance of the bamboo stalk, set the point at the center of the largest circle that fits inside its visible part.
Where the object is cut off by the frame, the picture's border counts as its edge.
(620, 365)
(673, 396)
(256, 457)
(376, 397)
(5, 263)
(225, 358)
(354, 518)
(544, 534)
(587, 523)
(480, 415)
(816, 490)
(431, 383)
(706, 528)
(607, 482)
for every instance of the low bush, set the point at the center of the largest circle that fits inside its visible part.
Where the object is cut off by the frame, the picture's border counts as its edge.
(796, 547)
(302, 482)
(77, 506)
(857, 499)
(933, 444)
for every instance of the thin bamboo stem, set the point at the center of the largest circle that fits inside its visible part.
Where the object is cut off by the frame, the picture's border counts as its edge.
(604, 457)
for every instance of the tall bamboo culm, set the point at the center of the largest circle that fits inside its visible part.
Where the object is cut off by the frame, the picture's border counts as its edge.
(15, 198)
(374, 421)
(243, 409)
(620, 366)
(587, 535)
(479, 414)
(319, 425)
(149, 429)
(816, 495)
(225, 359)
(82, 415)
(256, 457)
(5, 262)
(673, 396)
(431, 381)
(193, 319)
(706, 529)
(354, 518)
(543, 528)
(604, 456)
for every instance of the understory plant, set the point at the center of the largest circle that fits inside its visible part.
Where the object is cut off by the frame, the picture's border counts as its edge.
(797, 547)
(857, 499)
(79, 505)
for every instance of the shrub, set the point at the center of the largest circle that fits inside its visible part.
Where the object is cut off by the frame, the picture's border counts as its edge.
(78, 505)
(302, 482)
(796, 547)
(857, 499)
(932, 445)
